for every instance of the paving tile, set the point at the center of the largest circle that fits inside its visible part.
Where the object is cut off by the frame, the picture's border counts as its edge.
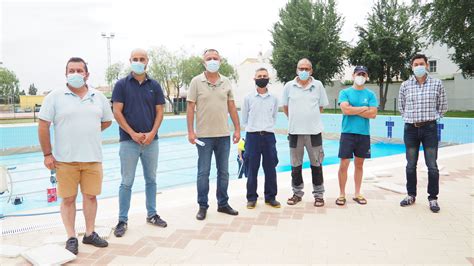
(106, 259)
(378, 233)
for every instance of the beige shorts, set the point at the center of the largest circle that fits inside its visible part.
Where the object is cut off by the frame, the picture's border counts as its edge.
(70, 175)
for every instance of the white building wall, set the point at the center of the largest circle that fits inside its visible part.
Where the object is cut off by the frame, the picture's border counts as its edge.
(246, 84)
(445, 67)
(460, 91)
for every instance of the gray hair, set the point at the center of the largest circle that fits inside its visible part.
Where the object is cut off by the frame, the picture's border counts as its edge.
(261, 69)
(210, 51)
(305, 61)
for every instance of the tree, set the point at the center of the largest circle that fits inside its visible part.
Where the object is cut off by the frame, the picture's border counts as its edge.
(113, 73)
(163, 66)
(451, 22)
(16, 95)
(308, 29)
(386, 45)
(174, 70)
(9, 84)
(192, 66)
(32, 90)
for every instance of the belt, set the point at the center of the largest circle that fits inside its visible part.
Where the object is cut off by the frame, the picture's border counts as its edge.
(422, 124)
(261, 133)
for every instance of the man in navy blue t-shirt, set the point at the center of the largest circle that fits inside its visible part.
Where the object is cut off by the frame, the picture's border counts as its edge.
(138, 108)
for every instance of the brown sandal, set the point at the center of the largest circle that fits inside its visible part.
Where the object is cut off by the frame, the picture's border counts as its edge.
(360, 199)
(293, 200)
(341, 201)
(318, 202)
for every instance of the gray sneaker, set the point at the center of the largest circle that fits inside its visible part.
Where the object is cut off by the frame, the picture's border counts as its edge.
(95, 240)
(251, 204)
(156, 220)
(120, 229)
(72, 245)
(407, 201)
(434, 207)
(273, 203)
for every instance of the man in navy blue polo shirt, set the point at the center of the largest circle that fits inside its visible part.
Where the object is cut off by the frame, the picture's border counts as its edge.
(138, 108)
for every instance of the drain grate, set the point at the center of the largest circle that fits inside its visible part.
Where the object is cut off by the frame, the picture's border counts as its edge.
(103, 230)
(28, 228)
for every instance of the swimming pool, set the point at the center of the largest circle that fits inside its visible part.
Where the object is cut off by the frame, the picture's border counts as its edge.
(452, 130)
(177, 166)
(178, 159)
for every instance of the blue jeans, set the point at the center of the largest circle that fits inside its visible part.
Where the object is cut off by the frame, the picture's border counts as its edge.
(130, 152)
(220, 146)
(259, 146)
(413, 137)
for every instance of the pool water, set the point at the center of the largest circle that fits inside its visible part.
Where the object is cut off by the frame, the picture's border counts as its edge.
(177, 165)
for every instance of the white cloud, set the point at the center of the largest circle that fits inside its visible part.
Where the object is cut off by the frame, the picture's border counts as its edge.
(39, 36)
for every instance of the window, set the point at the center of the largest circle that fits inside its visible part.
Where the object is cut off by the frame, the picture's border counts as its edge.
(433, 66)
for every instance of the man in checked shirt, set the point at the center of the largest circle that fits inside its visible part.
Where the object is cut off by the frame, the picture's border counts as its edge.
(422, 101)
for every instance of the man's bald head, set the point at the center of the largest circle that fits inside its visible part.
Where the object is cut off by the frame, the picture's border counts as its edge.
(139, 52)
(139, 55)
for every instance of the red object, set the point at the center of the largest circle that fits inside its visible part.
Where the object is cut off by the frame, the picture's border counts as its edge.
(52, 195)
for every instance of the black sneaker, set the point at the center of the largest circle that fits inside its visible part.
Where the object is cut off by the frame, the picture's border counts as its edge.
(95, 240)
(72, 245)
(201, 215)
(120, 229)
(407, 201)
(273, 203)
(156, 220)
(228, 210)
(251, 204)
(434, 207)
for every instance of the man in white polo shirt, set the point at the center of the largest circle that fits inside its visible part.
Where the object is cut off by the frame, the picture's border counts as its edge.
(78, 114)
(303, 102)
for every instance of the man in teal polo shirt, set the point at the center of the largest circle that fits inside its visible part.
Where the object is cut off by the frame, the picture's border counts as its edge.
(358, 105)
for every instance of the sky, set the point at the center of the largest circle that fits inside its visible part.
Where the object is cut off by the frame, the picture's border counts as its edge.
(38, 37)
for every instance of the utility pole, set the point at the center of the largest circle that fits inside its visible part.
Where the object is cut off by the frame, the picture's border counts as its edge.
(108, 36)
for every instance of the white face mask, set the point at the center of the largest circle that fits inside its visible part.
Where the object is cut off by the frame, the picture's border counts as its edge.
(303, 75)
(359, 80)
(138, 67)
(419, 71)
(212, 66)
(75, 80)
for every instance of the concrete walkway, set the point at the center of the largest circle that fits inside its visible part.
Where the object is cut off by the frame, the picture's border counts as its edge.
(380, 232)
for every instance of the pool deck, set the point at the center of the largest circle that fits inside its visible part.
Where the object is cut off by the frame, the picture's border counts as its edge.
(380, 232)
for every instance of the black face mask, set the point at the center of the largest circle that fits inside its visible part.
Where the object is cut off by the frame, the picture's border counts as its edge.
(261, 83)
